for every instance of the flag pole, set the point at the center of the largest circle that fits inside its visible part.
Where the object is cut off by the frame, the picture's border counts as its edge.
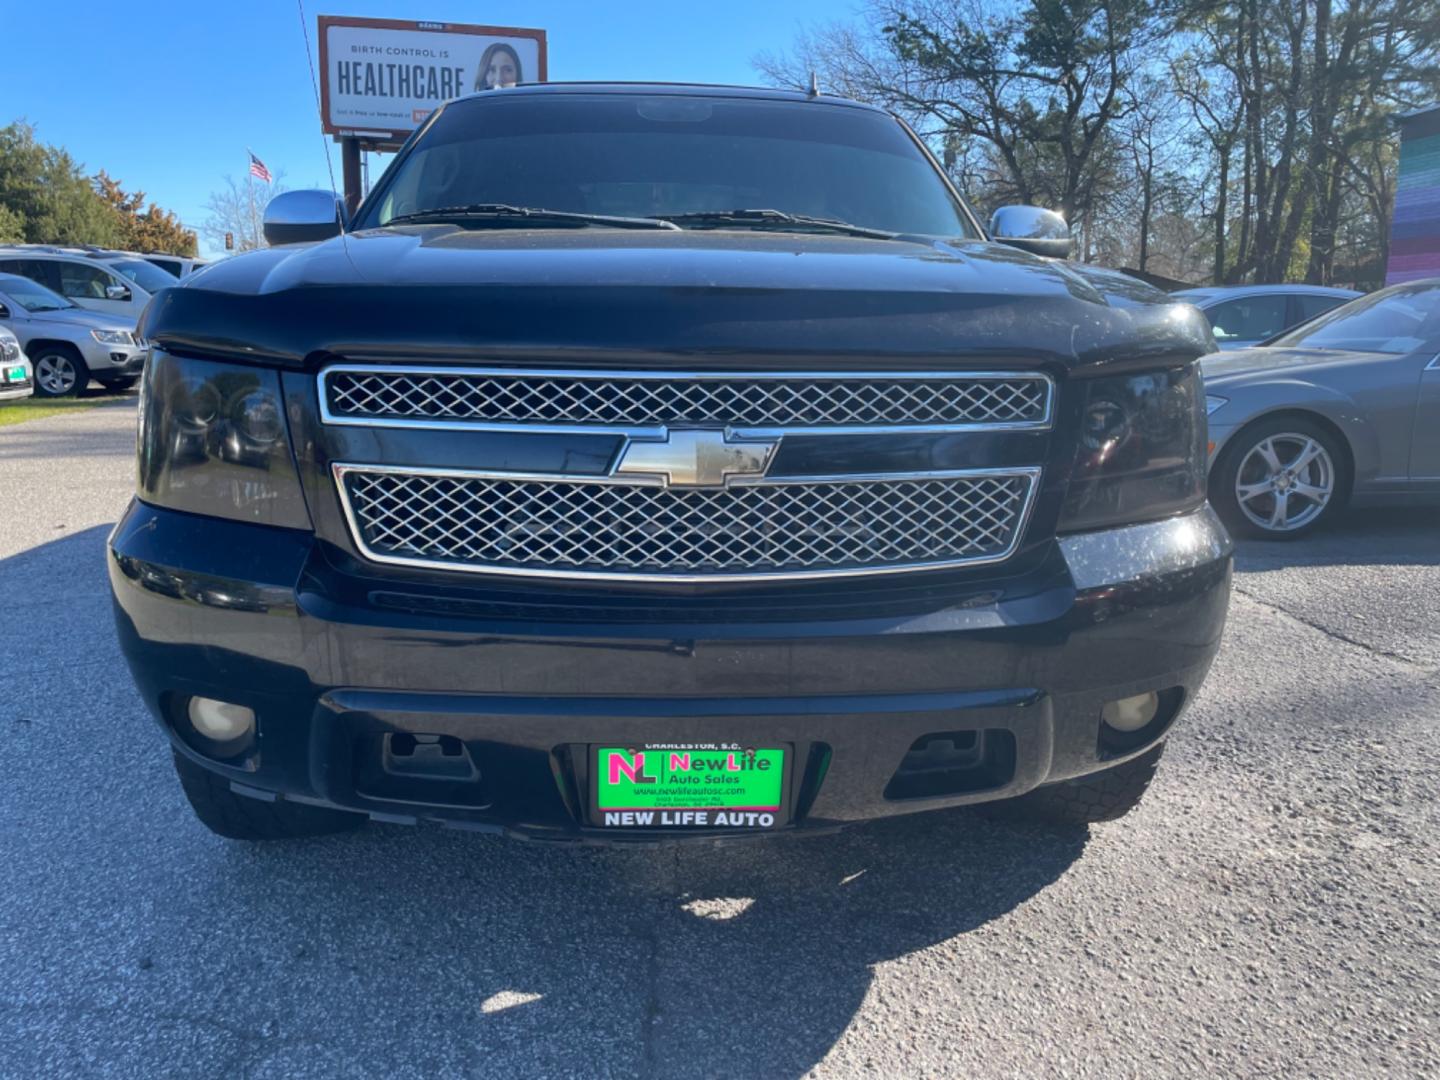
(250, 190)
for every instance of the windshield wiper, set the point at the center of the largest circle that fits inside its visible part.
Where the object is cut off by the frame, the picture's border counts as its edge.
(761, 219)
(537, 215)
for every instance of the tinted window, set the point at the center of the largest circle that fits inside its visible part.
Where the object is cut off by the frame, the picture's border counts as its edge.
(150, 278)
(170, 266)
(1249, 318)
(1310, 306)
(1388, 322)
(646, 157)
(34, 269)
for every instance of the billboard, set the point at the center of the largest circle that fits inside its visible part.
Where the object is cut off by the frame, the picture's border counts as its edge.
(382, 77)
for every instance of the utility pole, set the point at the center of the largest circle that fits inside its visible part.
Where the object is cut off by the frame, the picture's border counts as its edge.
(350, 170)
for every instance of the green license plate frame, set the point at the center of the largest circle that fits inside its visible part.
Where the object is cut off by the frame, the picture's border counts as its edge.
(679, 786)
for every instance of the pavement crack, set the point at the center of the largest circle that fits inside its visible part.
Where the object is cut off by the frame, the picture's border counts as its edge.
(1335, 635)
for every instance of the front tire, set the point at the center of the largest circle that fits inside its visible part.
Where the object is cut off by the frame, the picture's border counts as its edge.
(239, 817)
(59, 371)
(1280, 479)
(1088, 800)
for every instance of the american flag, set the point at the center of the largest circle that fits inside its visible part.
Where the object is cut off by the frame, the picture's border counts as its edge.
(257, 168)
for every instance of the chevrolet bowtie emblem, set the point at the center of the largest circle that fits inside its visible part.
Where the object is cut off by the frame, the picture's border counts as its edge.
(696, 458)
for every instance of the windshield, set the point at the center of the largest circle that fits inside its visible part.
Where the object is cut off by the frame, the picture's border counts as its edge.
(642, 157)
(33, 296)
(150, 278)
(1393, 321)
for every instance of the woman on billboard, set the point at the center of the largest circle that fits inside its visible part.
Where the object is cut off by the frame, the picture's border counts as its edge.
(499, 67)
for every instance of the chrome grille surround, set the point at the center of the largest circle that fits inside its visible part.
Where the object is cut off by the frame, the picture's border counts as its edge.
(645, 403)
(630, 529)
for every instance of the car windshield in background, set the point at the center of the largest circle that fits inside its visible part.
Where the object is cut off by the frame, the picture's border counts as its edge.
(664, 157)
(148, 277)
(33, 296)
(1388, 322)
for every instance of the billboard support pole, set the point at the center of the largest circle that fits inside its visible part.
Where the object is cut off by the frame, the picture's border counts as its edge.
(350, 167)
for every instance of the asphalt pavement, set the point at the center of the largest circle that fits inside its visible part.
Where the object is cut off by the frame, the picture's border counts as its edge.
(1271, 909)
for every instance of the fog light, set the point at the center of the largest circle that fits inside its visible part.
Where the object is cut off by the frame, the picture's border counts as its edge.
(1131, 713)
(221, 721)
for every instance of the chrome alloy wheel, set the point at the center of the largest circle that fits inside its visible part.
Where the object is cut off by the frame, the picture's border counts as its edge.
(1285, 482)
(55, 372)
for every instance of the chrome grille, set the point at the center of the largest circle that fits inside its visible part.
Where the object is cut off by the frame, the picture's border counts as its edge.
(630, 399)
(578, 528)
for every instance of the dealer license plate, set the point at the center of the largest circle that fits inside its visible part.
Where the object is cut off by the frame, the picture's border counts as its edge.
(688, 786)
(15, 374)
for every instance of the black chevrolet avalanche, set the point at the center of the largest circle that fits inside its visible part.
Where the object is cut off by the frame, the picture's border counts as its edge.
(642, 462)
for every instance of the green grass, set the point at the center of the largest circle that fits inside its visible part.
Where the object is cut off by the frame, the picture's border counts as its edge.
(33, 408)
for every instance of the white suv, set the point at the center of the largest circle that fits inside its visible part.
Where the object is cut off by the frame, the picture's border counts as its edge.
(175, 265)
(110, 282)
(67, 345)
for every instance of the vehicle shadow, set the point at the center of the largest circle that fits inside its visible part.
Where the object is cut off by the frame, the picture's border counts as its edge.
(747, 960)
(106, 393)
(421, 951)
(1362, 536)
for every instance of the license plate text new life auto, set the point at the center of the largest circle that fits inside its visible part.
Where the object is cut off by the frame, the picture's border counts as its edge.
(688, 785)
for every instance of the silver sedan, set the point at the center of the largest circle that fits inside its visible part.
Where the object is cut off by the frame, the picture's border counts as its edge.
(1345, 408)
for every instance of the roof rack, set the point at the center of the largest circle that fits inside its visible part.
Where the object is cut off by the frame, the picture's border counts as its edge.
(47, 249)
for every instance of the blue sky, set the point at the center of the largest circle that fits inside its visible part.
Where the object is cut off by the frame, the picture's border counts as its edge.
(166, 96)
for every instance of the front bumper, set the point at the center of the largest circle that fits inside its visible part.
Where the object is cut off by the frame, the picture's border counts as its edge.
(113, 361)
(23, 388)
(333, 663)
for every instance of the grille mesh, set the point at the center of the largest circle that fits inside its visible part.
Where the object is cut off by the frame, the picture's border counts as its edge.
(798, 400)
(576, 527)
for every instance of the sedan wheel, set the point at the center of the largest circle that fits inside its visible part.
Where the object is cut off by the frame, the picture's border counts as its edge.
(1285, 482)
(1279, 480)
(58, 374)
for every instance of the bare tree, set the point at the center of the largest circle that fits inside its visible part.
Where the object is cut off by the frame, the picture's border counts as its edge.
(237, 210)
(1039, 84)
(1210, 95)
(1269, 118)
(1150, 137)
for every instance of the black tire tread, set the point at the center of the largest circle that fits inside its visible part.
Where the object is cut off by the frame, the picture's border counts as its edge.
(1098, 797)
(239, 817)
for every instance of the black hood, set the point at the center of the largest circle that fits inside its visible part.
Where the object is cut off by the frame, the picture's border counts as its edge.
(725, 297)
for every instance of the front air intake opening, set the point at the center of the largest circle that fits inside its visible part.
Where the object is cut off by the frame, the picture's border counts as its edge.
(402, 766)
(954, 763)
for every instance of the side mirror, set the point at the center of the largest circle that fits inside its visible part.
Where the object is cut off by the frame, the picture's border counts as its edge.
(1032, 229)
(117, 292)
(302, 217)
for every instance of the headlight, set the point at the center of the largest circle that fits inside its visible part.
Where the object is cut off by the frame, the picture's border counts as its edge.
(9, 349)
(112, 337)
(213, 441)
(1140, 454)
(1212, 403)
